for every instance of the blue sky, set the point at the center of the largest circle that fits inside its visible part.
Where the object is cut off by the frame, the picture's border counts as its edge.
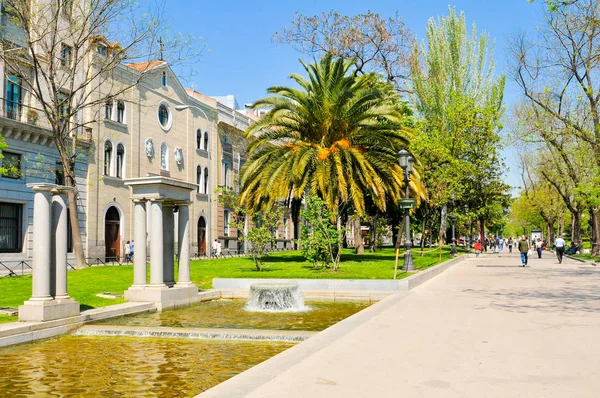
(244, 61)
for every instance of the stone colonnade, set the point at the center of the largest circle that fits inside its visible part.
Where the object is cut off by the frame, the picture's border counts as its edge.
(162, 240)
(50, 299)
(159, 195)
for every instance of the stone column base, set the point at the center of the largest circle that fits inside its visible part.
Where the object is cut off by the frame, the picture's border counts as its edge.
(165, 297)
(41, 311)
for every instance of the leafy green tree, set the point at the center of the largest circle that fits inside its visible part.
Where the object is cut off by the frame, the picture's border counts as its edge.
(260, 238)
(562, 84)
(455, 92)
(319, 237)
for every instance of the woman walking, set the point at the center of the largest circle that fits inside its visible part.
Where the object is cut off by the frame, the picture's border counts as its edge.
(127, 252)
(523, 248)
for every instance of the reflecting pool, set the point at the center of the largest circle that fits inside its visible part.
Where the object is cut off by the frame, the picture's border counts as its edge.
(125, 367)
(231, 314)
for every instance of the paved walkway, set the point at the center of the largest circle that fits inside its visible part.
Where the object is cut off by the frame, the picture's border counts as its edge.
(483, 328)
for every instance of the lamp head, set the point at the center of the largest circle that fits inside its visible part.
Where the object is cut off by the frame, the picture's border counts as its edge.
(403, 156)
(181, 107)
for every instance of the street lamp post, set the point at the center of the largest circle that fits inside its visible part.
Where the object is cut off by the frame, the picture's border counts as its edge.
(453, 220)
(406, 163)
(209, 229)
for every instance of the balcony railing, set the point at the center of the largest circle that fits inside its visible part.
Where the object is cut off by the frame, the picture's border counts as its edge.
(36, 117)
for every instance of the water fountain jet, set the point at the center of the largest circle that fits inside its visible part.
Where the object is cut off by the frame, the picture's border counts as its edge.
(275, 297)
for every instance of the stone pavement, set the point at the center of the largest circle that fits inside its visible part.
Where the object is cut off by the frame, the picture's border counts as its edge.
(483, 328)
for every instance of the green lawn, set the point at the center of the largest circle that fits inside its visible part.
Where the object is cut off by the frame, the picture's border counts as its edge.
(84, 284)
(588, 257)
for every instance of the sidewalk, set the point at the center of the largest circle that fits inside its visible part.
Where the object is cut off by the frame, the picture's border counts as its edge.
(483, 328)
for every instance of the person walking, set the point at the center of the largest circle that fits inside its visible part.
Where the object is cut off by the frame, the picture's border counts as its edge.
(523, 249)
(477, 248)
(127, 252)
(538, 247)
(559, 246)
(131, 250)
(214, 247)
(510, 245)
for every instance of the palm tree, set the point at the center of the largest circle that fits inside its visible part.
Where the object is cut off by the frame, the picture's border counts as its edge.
(336, 136)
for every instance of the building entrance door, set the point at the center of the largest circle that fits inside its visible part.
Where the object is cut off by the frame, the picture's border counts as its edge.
(201, 237)
(111, 234)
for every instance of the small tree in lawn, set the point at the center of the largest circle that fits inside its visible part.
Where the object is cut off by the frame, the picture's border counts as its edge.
(319, 237)
(260, 237)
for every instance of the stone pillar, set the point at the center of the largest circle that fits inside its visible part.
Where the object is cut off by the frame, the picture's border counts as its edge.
(184, 245)
(139, 236)
(156, 245)
(42, 202)
(59, 240)
(168, 245)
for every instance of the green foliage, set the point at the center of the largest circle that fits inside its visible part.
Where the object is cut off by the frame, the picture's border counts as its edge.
(459, 103)
(260, 238)
(381, 230)
(319, 237)
(336, 137)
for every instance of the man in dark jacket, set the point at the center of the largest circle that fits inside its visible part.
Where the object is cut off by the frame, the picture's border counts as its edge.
(523, 248)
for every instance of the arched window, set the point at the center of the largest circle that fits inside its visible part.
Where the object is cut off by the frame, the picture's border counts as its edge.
(108, 154)
(164, 79)
(108, 110)
(199, 177)
(206, 180)
(164, 156)
(120, 111)
(206, 140)
(120, 160)
(198, 139)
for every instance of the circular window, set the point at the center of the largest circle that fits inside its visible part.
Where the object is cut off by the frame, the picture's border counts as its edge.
(164, 116)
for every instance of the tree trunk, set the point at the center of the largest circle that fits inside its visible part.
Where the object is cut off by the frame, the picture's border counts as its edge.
(296, 206)
(482, 230)
(595, 212)
(76, 232)
(359, 248)
(336, 257)
(395, 234)
(561, 223)
(399, 240)
(551, 236)
(68, 163)
(373, 234)
(576, 230)
(423, 234)
(442, 233)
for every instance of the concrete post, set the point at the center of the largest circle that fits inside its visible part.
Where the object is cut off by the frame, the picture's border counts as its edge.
(139, 235)
(184, 245)
(42, 202)
(59, 240)
(156, 245)
(168, 245)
